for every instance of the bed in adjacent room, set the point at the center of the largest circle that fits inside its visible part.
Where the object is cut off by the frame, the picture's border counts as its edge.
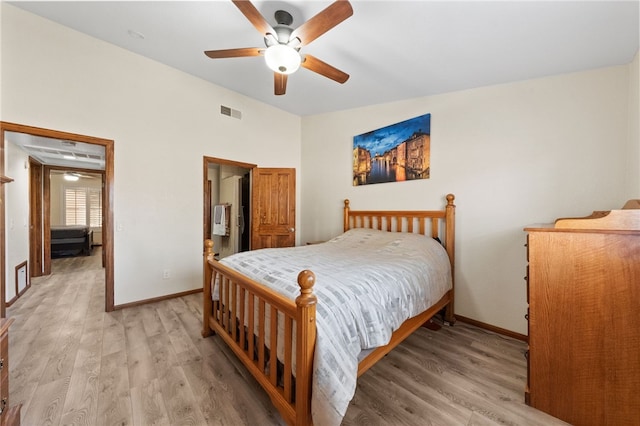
(329, 311)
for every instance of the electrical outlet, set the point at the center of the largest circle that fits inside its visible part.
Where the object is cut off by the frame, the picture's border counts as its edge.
(166, 274)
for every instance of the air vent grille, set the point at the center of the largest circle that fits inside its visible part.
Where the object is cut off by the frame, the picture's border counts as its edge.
(230, 112)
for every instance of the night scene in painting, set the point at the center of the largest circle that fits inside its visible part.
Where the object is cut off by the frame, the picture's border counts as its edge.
(394, 153)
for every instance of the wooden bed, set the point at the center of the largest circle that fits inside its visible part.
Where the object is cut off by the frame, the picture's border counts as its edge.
(290, 391)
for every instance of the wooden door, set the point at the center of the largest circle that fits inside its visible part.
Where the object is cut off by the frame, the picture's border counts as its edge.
(273, 210)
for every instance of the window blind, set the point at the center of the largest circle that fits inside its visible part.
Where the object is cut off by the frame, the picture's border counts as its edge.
(95, 208)
(83, 206)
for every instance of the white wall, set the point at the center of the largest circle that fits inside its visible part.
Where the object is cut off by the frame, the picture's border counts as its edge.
(512, 154)
(1, 20)
(633, 156)
(17, 214)
(163, 122)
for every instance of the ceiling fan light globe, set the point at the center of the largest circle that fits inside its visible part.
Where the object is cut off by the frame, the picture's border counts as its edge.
(282, 59)
(70, 177)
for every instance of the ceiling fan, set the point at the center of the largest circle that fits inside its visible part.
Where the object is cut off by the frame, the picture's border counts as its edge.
(283, 43)
(73, 176)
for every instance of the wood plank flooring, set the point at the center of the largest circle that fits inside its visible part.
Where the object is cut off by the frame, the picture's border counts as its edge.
(73, 364)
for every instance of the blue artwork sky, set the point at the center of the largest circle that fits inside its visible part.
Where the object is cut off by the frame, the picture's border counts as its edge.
(381, 140)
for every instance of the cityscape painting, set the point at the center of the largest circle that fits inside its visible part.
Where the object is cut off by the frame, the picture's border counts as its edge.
(394, 153)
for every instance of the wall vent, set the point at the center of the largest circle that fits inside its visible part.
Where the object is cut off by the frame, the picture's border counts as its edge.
(230, 112)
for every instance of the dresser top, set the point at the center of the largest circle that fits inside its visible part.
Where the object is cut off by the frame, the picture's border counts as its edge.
(622, 221)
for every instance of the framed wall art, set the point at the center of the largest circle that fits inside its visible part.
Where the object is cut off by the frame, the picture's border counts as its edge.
(394, 153)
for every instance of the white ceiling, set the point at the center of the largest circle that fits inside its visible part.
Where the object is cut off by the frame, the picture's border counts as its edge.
(393, 50)
(57, 152)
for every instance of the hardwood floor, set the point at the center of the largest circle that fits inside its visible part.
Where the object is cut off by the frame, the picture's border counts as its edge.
(73, 364)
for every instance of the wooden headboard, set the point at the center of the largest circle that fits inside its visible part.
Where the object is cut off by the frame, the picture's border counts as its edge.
(440, 224)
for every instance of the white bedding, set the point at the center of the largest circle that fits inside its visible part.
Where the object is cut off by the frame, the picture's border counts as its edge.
(368, 283)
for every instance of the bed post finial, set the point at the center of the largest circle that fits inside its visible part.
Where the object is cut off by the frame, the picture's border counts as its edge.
(208, 247)
(306, 280)
(450, 198)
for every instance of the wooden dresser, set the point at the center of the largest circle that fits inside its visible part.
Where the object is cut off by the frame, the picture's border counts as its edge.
(9, 416)
(583, 290)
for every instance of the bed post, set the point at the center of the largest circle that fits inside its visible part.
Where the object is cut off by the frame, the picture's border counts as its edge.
(346, 215)
(450, 238)
(305, 346)
(206, 288)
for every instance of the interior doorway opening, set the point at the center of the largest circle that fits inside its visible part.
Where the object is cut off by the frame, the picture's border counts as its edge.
(227, 205)
(39, 247)
(75, 200)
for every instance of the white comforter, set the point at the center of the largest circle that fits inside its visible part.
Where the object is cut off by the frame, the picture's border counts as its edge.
(368, 283)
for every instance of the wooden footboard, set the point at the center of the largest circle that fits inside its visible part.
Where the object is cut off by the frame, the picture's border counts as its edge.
(248, 315)
(255, 322)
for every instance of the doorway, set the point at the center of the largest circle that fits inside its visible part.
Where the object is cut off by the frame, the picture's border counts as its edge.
(37, 246)
(268, 200)
(74, 197)
(227, 205)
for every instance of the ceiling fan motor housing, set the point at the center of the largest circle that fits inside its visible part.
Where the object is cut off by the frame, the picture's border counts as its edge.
(283, 17)
(283, 29)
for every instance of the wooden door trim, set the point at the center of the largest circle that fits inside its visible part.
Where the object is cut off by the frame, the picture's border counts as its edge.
(46, 220)
(35, 218)
(107, 213)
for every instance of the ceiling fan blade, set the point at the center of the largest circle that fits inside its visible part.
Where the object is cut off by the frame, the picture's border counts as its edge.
(322, 22)
(316, 65)
(234, 53)
(254, 16)
(280, 83)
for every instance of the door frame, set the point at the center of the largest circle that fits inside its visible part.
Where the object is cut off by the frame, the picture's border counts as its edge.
(36, 261)
(206, 190)
(107, 208)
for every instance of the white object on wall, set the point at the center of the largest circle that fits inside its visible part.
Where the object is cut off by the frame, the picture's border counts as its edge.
(21, 277)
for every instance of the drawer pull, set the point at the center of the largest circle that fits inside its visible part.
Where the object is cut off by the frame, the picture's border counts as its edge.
(526, 354)
(526, 316)
(3, 405)
(1, 363)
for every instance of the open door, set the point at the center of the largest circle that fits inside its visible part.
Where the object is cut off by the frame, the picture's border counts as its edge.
(273, 208)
